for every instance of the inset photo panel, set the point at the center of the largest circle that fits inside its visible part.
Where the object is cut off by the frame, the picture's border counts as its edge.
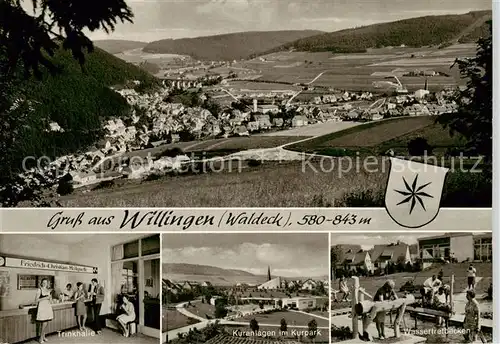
(412, 288)
(245, 288)
(80, 288)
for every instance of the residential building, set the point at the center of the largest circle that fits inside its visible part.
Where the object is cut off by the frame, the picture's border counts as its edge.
(299, 121)
(309, 285)
(268, 109)
(278, 122)
(253, 126)
(301, 303)
(264, 121)
(355, 257)
(395, 253)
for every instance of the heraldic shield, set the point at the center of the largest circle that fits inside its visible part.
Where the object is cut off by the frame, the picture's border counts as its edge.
(413, 192)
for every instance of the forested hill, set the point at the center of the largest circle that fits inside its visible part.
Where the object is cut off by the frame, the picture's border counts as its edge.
(78, 100)
(414, 32)
(116, 46)
(227, 47)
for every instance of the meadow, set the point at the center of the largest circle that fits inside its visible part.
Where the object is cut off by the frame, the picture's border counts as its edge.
(172, 319)
(269, 185)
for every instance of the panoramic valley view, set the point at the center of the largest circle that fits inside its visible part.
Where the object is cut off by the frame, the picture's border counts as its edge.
(245, 288)
(306, 115)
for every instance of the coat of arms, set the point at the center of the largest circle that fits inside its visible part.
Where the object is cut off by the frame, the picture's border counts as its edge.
(413, 192)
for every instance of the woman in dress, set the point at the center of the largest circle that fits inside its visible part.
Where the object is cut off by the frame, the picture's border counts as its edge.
(81, 309)
(471, 320)
(127, 316)
(44, 312)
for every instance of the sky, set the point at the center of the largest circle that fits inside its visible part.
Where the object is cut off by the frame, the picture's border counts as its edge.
(288, 255)
(162, 19)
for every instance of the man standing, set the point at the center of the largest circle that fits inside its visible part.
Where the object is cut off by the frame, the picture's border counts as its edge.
(471, 277)
(384, 293)
(97, 293)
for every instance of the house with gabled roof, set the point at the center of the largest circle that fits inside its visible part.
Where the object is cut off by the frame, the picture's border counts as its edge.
(355, 257)
(394, 253)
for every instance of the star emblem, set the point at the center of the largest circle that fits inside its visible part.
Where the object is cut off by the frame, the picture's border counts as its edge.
(414, 194)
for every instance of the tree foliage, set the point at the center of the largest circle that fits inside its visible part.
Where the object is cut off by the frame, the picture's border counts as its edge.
(337, 257)
(254, 325)
(43, 49)
(32, 38)
(475, 113)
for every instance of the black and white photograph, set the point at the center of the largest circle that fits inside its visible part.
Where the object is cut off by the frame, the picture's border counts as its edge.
(244, 103)
(245, 288)
(412, 288)
(80, 288)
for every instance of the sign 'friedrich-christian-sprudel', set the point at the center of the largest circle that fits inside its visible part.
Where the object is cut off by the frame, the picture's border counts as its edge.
(41, 265)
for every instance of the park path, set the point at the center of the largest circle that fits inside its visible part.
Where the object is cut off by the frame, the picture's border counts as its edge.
(181, 309)
(459, 302)
(204, 322)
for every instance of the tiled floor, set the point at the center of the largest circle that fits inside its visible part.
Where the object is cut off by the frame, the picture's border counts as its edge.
(108, 336)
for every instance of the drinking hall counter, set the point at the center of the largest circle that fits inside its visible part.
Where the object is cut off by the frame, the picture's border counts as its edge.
(18, 325)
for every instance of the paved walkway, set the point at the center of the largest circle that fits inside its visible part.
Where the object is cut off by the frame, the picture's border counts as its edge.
(204, 322)
(311, 314)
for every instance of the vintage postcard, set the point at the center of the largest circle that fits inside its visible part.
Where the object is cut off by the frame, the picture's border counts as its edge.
(249, 103)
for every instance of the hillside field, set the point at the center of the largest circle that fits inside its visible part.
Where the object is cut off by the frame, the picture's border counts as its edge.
(358, 72)
(379, 136)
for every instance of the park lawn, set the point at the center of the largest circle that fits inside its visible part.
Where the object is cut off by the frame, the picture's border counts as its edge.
(173, 319)
(202, 309)
(321, 314)
(292, 318)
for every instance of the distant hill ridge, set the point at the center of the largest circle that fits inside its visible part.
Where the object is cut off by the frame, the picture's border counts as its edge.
(116, 46)
(207, 270)
(414, 32)
(194, 269)
(228, 47)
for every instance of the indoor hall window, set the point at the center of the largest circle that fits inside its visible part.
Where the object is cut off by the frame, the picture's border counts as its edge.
(131, 250)
(150, 245)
